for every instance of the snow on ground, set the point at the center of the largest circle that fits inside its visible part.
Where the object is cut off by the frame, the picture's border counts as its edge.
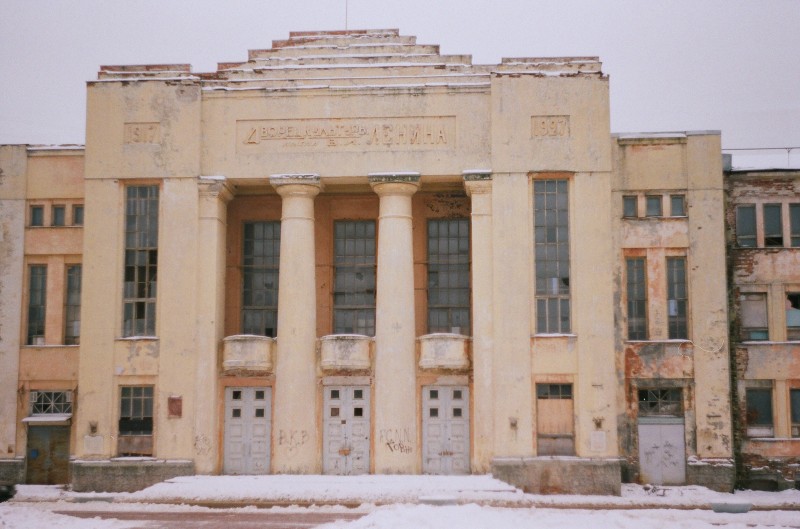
(37, 516)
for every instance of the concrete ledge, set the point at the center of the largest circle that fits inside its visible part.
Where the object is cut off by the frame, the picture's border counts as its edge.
(12, 471)
(125, 475)
(715, 474)
(560, 475)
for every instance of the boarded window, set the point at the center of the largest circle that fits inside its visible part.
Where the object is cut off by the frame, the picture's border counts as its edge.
(448, 276)
(773, 225)
(141, 261)
(676, 298)
(260, 261)
(554, 420)
(629, 206)
(759, 412)
(551, 236)
(354, 277)
(753, 307)
(637, 298)
(746, 226)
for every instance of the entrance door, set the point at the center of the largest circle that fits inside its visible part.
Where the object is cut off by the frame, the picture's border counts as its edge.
(662, 456)
(346, 430)
(445, 430)
(48, 455)
(248, 428)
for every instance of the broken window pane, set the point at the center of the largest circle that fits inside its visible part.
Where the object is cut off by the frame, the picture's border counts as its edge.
(658, 401)
(793, 316)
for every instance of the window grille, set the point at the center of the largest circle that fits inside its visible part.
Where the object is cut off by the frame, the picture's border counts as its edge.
(50, 402)
(668, 401)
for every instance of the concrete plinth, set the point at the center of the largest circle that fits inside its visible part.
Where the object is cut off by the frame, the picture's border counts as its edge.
(125, 475)
(560, 475)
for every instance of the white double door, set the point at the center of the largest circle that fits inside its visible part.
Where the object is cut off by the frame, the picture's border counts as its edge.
(346, 430)
(445, 430)
(247, 430)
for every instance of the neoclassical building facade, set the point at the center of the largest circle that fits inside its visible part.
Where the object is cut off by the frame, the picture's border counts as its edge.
(353, 254)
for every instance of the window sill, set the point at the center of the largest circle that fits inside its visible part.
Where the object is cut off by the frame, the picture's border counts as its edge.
(669, 340)
(135, 338)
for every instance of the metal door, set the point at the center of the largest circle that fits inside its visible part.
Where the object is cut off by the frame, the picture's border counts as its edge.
(662, 453)
(346, 430)
(247, 430)
(445, 430)
(48, 455)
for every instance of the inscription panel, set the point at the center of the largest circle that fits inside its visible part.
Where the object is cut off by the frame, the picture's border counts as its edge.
(142, 133)
(549, 127)
(346, 134)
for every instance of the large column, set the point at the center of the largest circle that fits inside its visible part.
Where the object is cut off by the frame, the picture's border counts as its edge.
(396, 449)
(295, 446)
(479, 188)
(214, 198)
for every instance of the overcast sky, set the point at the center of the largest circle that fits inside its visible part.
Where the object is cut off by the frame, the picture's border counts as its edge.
(730, 65)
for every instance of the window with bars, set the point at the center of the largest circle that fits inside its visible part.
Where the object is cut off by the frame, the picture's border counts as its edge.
(37, 303)
(773, 225)
(746, 226)
(136, 410)
(551, 238)
(72, 306)
(663, 402)
(448, 276)
(260, 262)
(637, 298)
(141, 261)
(50, 402)
(354, 277)
(676, 298)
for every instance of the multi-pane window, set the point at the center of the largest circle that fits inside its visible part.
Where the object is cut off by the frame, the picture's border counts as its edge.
(354, 277)
(637, 298)
(653, 206)
(676, 297)
(677, 205)
(746, 226)
(50, 402)
(72, 306)
(759, 412)
(794, 224)
(551, 237)
(793, 316)
(260, 260)
(59, 216)
(136, 410)
(37, 294)
(794, 405)
(141, 261)
(448, 276)
(630, 206)
(773, 225)
(37, 215)
(656, 401)
(754, 321)
(77, 215)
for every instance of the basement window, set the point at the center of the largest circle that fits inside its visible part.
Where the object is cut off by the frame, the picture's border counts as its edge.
(754, 324)
(759, 412)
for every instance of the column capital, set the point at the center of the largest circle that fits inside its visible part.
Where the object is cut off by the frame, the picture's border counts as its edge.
(394, 183)
(215, 187)
(477, 181)
(296, 184)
